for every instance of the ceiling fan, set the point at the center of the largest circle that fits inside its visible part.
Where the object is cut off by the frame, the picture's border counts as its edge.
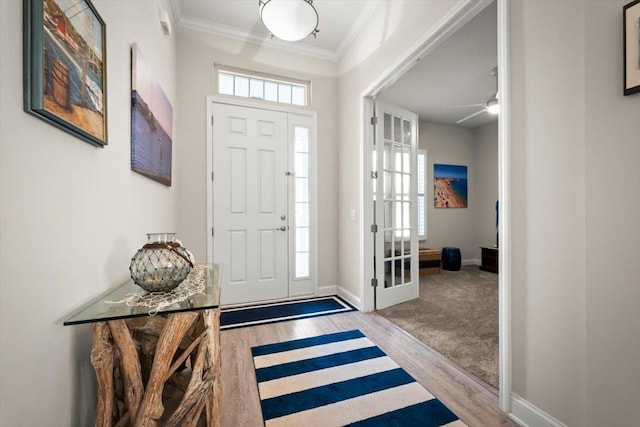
(491, 106)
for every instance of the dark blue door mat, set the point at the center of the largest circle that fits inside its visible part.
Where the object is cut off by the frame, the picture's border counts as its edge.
(281, 311)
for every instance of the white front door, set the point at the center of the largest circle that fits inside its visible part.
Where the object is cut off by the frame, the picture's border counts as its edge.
(395, 201)
(250, 207)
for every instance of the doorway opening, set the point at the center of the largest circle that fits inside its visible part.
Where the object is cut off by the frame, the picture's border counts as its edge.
(428, 52)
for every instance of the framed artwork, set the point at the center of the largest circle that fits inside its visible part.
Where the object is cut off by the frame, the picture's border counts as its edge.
(65, 67)
(449, 186)
(151, 123)
(631, 25)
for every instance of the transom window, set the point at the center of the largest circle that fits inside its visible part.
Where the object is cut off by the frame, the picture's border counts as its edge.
(261, 87)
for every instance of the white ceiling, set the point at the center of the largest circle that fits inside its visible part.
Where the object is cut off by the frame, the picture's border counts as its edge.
(456, 72)
(339, 22)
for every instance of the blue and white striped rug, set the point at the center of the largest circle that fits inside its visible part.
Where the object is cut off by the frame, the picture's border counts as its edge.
(341, 379)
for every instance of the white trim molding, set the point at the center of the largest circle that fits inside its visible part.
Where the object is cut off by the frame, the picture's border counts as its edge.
(504, 195)
(352, 299)
(325, 291)
(526, 414)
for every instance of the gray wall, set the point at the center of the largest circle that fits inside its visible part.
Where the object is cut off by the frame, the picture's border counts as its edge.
(612, 179)
(486, 184)
(576, 175)
(474, 226)
(71, 217)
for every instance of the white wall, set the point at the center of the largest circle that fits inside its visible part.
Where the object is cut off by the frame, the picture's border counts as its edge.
(612, 172)
(486, 185)
(576, 175)
(476, 148)
(71, 217)
(450, 145)
(548, 207)
(197, 52)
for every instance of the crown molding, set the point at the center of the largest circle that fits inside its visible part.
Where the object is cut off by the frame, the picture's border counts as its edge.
(358, 24)
(243, 35)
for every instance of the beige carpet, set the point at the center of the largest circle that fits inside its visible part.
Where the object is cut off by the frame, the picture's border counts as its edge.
(456, 315)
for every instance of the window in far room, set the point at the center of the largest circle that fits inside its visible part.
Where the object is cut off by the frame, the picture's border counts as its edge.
(261, 87)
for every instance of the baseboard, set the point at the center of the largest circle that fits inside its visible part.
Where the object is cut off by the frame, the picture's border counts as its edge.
(528, 415)
(350, 298)
(324, 291)
(472, 261)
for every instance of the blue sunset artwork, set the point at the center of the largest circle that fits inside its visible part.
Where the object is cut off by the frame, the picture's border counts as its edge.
(151, 123)
(449, 186)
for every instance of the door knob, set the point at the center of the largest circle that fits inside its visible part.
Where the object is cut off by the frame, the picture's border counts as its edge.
(283, 228)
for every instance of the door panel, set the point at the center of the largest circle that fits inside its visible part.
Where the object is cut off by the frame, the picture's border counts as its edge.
(249, 199)
(395, 196)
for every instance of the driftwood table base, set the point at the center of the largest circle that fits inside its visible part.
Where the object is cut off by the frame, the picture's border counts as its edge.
(158, 371)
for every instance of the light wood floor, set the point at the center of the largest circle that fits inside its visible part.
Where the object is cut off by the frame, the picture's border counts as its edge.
(472, 401)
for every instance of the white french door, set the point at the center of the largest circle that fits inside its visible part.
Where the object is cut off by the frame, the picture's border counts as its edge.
(261, 203)
(395, 205)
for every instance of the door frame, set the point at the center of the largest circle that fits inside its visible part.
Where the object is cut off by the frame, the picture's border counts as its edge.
(313, 181)
(459, 15)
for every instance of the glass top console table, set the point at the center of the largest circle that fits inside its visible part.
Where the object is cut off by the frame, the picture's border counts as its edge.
(157, 365)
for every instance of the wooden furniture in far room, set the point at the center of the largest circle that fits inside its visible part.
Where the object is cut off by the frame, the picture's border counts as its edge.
(428, 262)
(158, 368)
(489, 259)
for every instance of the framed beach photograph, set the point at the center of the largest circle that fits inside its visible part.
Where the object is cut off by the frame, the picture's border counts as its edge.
(65, 67)
(151, 123)
(631, 25)
(449, 186)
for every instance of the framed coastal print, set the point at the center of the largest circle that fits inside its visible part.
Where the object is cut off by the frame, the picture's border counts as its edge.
(449, 186)
(151, 123)
(65, 67)
(631, 25)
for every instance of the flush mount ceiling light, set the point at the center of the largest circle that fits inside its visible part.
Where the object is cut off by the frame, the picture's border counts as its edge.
(289, 20)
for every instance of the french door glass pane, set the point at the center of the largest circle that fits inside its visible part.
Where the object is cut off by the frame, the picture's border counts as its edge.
(387, 126)
(397, 129)
(406, 132)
